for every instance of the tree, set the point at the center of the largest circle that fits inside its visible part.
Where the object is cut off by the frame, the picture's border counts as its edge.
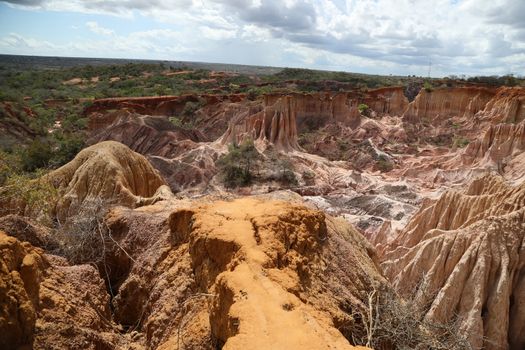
(236, 166)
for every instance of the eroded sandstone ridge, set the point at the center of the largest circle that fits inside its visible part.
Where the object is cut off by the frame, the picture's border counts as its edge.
(260, 276)
(466, 254)
(238, 274)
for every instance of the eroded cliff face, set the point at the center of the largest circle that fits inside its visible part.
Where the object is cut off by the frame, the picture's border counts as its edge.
(284, 117)
(275, 119)
(445, 102)
(499, 145)
(507, 106)
(390, 101)
(465, 255)
(276, 123)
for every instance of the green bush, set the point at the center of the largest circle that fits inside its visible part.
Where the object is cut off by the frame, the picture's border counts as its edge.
(67, 147)
(427, 86)
(460, 142)
(36, 156)
(236, 166)
(175, 121)
(384, 165)
(363, 108)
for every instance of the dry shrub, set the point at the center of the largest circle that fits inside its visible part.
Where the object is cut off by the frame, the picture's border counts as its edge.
(395, 323)
(84, 238)
(30, 195)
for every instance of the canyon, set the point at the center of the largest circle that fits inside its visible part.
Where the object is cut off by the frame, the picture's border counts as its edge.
(392, 206)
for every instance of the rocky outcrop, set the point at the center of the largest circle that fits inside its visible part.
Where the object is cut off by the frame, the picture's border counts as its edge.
(108, 171)
(21, 271)
(507, 106)
(40, 295)
(282, 117)
(250, 272)
(144, 134)
(75, 291)
(499, 143)
(446, 102)
(464, 254)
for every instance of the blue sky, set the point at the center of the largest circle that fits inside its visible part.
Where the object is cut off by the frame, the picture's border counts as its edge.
(370, 36)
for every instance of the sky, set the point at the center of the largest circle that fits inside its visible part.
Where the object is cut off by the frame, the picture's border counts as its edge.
(399, 37)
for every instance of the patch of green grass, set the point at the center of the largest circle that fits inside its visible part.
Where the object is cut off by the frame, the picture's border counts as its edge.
(384, 165)
(460, 142)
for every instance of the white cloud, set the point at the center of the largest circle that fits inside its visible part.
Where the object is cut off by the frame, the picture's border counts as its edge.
(97, 29)
(15, 43)
(253, 33)
(217, 33)
(155, 44)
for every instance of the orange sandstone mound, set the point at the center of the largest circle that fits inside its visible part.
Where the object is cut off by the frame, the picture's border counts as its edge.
(47, 304)
(249, 273)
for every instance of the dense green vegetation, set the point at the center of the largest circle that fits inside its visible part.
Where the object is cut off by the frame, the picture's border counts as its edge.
(362, 107)
(107, 81)
(357, 80)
